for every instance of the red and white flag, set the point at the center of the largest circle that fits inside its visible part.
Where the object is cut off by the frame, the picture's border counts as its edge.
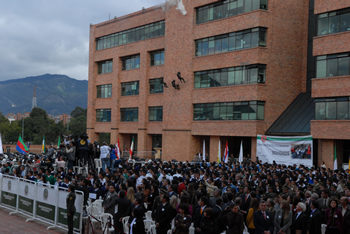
(118, 149)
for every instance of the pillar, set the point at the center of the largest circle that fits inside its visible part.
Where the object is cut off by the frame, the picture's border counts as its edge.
(214, 146)
(253, 149)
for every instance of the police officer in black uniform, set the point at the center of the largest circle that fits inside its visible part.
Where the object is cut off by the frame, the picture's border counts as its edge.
(70, 207)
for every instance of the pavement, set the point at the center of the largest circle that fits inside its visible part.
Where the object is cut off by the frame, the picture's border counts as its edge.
(16, 224)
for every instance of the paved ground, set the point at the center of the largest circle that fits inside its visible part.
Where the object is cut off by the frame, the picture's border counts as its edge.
(16, 224)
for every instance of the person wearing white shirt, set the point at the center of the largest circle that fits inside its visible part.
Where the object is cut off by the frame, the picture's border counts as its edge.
(104, 150)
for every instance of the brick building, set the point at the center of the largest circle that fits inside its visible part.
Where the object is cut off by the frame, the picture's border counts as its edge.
(248, 69)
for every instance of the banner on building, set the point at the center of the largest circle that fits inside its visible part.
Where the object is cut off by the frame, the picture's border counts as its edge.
(285, 150)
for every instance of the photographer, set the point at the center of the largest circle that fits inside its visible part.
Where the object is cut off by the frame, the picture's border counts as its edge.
(70, 150)
(36, 164)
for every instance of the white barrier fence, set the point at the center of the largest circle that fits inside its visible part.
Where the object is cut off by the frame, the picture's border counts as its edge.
(40, 202)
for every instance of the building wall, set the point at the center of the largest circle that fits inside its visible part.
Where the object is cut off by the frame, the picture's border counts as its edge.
(285, 75)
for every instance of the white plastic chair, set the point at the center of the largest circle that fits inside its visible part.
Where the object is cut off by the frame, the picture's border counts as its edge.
(125, 224)
(149, 215)
(98, 206)
(323, 228)
(104, 223)
(148, 224)
(191, 229)
(93, 211)
(98, 164)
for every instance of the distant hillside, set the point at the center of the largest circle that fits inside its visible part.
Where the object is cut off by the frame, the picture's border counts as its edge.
(57, 94)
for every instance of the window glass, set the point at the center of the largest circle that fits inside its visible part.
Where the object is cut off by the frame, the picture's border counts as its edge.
(229, 111)
(231, 77)
(256, 5)
(261, 75)
(211, 13)
(253, 78)
(223, 111)
(217, 78)
(320, 110)
(343, 66)
(247, 40)
(252, 111)
(197, 80)
(261, 111)
(104, 91)
(216, 111)
(103, 115)
(217, 45)
(225, 10)
(342, 110)
(331, 110)
(204, 47)
(245, 111)
(231, 42)
(218, 12)
(238, 75)
(155, 113)
(255, 39)
(223, 78)
(239, 41)
(129, 114)
(233, 8)
(155, 86)
(199, 48)
(332, 67)
(224, 44)
(263, 4)
(240, 7)
(334, 24)
(345, 22)
(211, 46)
(262, 38)
(321, 68)
(247, 5)
(237, 112)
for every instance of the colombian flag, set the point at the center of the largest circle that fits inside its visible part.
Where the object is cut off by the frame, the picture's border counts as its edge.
(21, 147)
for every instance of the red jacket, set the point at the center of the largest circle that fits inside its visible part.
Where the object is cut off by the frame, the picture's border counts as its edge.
(181, 188)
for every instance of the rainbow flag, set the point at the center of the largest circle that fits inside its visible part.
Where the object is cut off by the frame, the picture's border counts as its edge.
(21, 147)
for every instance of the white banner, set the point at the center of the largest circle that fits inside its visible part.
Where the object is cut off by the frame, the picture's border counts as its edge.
(9, 185)
(285, 150)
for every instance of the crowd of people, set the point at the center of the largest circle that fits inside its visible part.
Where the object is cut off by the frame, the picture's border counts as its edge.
(263, 197)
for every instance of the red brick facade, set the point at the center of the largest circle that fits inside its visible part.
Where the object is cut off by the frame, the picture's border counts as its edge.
(331, 133)
(284, 56)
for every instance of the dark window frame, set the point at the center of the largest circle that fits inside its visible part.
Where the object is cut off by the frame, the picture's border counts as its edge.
(103, 115)
(105, 66)
(126, 86)
(324, 102)
(104, 89)
(328, 17)
(213, 45)
(156, 83)
(130, 62)
(129, 114)
(330, 58)
(131, 35)
(226, 111)
(155, 113)
(227, 8)
(153, 60)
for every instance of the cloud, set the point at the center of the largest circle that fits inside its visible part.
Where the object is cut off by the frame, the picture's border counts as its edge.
(52, 36)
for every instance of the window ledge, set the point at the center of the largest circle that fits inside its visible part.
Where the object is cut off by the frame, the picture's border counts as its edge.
(230, 17)
(156, 66)
(227, 121)
(129, 96)
(104, 98)
(333, 78)
(131, 69)
(156, 93)
(253, 48)
(228, 86)
(331, 34)
(331, 120)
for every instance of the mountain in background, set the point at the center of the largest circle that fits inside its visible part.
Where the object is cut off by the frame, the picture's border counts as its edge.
(57, 94)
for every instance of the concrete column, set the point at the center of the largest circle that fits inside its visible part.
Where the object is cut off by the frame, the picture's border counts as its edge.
(327, 153)
(253, 149)
(214, 146)
(142, 140)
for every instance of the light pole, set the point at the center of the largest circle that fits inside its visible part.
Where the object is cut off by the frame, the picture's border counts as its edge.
(23, 128)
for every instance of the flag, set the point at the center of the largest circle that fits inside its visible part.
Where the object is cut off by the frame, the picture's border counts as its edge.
(240, 159)
(118, 149)
(59, 142)
(335, 166)
(21, 147)
(43, 146)
(131, 147)
(219, 153)
(226, 154)
(1, 150)
(204, 150)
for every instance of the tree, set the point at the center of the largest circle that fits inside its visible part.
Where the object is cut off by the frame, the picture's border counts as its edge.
(77, 125)
(78, 111)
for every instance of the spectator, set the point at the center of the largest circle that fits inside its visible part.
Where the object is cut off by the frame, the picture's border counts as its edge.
(254, 207)
(283, 219)
(262, 220)
(235, 221)
(334, 217)
(208, 224)
(183, 219)
(105, 156)
(315, 219)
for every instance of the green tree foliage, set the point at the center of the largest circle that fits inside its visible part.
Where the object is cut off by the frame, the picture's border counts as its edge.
(77, 124)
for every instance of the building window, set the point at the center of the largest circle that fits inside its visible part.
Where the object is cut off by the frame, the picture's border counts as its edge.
(105, 67)
(155, 86)
(129, 114)
(130, 88)
(332, 108)
(155, 113)
(157, 58)
(104, 91)
(253, 110)
(234, 41)
(334, 22)
(131, 62)
(251, 74)
(224, 9)
(103, 115)
(333, 65)
(131, 35)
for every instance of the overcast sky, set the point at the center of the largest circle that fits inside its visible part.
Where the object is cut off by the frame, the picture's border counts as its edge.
(52, 36)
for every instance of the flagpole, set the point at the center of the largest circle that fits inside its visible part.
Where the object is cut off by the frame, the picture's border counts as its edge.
(203, 150)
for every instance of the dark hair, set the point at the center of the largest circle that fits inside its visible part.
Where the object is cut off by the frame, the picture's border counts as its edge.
(254, 204)
(204, 200)
(315, 203)
(184, 207)
(166, 197)
(208, 211)
(122, 193)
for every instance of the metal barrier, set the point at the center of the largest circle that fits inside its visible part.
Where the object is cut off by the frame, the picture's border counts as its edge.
(45, 203)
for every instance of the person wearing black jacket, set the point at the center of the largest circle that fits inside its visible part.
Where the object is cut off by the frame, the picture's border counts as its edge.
(122, 211)
(246, 199)
(165, 213)
(263, 220)
(208, 224)
(137, 226)
(198, 214)
(83, 183)
(299, 224)
(315, 219)
(70, 208)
